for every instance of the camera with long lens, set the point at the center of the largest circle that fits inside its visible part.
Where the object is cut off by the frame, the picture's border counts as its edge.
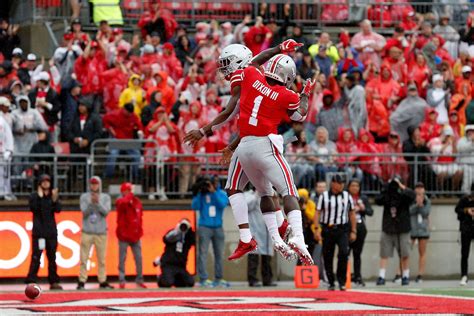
(202, 186)
(184, 225)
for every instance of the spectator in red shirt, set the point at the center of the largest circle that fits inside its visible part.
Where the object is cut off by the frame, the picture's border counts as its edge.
(370, 163)
(194, 83)
(114, 82)
(409, 22)
(426, 36)
(88, 68)
(430, 129)
(165, 134)
(458, 128)
(191, 167)
(79, 37)
(397, 64)
(445, 166)
(394, 164)
(123, 124)
(206, 58)
(161, 84)
(346, 145)
(464, 84)
(419, 73)
(441, 52)
(384, 88)
(170, 63)
(258, 37)
(212, 108)
(129, 231)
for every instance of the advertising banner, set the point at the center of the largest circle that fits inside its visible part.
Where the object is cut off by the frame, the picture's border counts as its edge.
(15, 243)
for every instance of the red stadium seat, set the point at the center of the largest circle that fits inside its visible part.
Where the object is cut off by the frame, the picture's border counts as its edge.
(201, 11)
(218, 10)
(239, 10)
(180, 10)
(132, 8)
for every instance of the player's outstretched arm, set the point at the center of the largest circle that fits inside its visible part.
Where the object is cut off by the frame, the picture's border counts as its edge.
(196, 135)
(287, 46)
(229, 151)
(299, 115)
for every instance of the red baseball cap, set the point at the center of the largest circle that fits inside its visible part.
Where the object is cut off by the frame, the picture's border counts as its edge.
(327, 93)
(94, 180)
(168, 46)
(126, 186)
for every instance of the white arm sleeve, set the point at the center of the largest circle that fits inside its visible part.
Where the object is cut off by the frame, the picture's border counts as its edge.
(297, 117)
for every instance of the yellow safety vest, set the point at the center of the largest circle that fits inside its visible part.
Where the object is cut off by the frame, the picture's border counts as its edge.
(108, 10)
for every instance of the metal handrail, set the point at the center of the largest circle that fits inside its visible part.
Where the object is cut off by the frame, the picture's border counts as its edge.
(27, 10)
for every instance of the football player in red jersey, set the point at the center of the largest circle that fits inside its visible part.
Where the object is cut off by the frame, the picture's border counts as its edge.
(232, 58)
(236, 79)
(265, 101)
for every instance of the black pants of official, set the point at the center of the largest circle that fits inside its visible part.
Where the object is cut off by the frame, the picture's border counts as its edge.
(51, 247)
(175, 276)
(357, 246)
(466, 238)
(336, 235)
(265, 267)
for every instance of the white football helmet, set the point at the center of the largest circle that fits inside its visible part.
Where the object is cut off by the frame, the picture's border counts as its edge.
(281, 68)
(233, 57)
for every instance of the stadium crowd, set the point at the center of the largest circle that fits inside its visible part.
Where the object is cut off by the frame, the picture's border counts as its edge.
(409, 93)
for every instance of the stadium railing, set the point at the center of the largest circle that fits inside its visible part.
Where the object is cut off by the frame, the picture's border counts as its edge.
(317, 13)
(160, 174)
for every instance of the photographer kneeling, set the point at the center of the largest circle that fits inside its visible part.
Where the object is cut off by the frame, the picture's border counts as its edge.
(178, 242)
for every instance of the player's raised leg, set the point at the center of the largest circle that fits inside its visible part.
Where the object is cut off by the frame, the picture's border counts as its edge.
(236, 182)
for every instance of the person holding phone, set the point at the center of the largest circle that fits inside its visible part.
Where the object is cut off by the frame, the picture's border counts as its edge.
(44, 203)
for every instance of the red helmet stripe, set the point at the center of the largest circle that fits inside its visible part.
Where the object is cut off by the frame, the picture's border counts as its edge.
(275, 62)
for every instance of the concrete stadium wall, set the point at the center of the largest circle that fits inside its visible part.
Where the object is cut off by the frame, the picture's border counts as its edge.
(443, 254)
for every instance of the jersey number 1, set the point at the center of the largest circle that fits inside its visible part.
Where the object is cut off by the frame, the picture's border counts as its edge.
(256, 106)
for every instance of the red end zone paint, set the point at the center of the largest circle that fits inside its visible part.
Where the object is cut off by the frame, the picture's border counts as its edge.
(295, 302)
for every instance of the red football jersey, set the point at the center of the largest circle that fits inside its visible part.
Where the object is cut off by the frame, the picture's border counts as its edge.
(262, 106)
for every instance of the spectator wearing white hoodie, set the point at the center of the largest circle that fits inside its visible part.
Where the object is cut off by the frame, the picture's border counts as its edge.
(465, 149)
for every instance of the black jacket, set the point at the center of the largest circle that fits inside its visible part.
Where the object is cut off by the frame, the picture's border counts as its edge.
(466, 222)
(8, 43)
(69, 104)
(24, 75)
(172, 256)
(44, 163)
(44, 223)
(92, 130)
(369, 211)
(149, 110)
(396, 210)
(409, 147)
(51, 116)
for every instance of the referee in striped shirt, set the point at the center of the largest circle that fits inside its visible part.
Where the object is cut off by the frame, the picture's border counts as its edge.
(338, 221)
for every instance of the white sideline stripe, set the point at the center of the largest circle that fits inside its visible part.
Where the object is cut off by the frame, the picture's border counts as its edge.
(417, 294)
(208, 300)
(183, 309)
